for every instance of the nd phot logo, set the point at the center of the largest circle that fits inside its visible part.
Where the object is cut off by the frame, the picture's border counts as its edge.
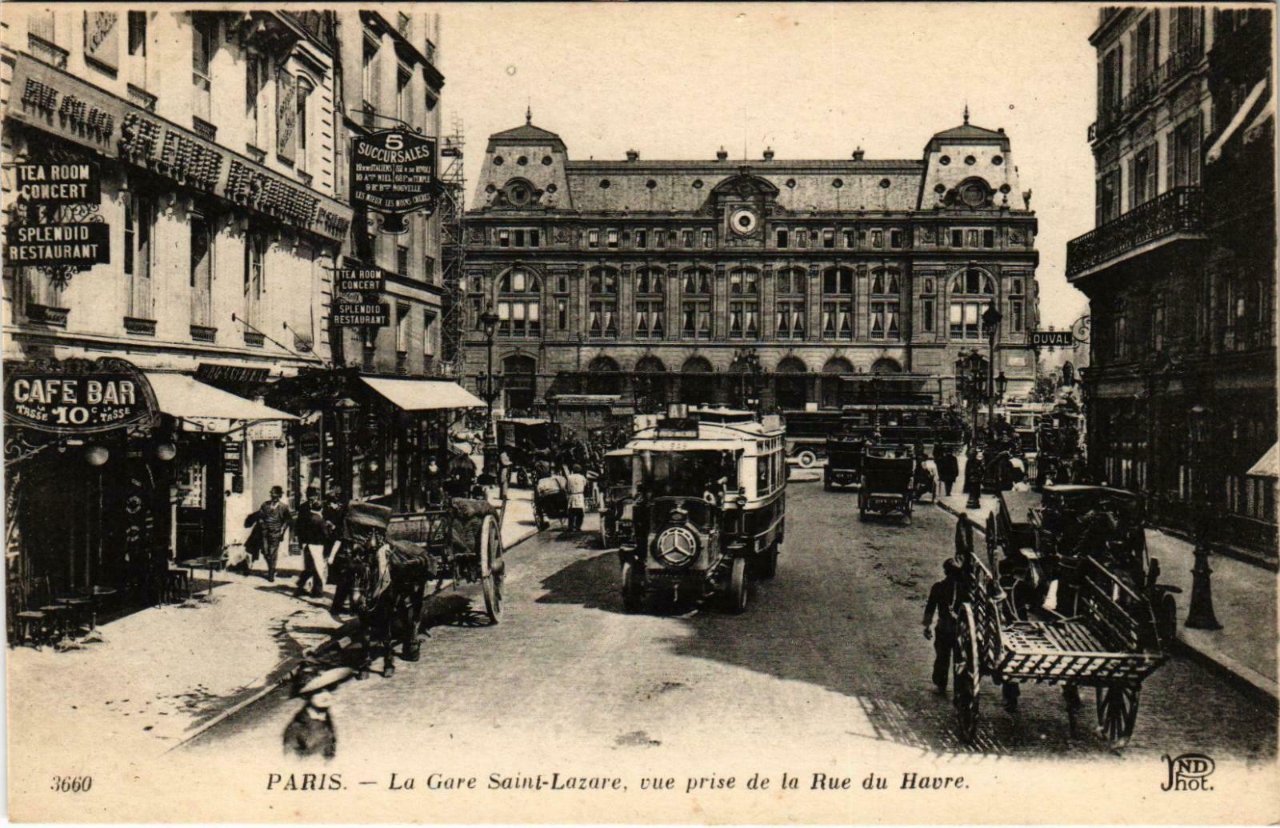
(1188, 772)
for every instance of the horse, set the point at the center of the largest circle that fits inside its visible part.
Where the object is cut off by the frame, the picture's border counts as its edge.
(389, 591)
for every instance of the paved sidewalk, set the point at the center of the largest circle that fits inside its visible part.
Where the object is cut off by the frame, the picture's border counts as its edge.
(1244, 600)
(160, 676)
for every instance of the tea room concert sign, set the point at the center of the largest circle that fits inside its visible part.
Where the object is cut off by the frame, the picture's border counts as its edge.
(356, 298)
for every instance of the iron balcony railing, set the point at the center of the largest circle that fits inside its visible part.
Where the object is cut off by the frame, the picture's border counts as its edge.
(1181, 210)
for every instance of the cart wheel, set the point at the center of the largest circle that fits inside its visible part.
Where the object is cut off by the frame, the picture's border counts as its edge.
(965, 674)
(540, 520)
(738, 586)
(1117, 713)
(492, 568)
(632, 589)
(769, 561)
(806, 459)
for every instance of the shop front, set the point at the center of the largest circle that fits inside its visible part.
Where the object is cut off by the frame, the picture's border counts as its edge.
(88, 464)
(370, 437)
(230, 451)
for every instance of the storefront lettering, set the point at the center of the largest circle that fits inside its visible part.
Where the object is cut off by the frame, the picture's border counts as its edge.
(57, 183)
(67, 398)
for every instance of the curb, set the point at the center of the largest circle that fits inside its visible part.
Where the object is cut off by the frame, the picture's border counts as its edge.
(340, 640)
(1244, 678)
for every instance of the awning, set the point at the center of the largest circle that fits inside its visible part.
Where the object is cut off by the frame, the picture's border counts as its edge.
(206, 407)
(423, 394)
(1254, 129)
(1215, 151)
(1268, 465)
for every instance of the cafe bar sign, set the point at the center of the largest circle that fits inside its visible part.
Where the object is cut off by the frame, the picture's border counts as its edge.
(77, 396)
(63, 105)
(356, 298)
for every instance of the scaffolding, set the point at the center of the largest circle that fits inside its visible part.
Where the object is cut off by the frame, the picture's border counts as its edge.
(453, 252)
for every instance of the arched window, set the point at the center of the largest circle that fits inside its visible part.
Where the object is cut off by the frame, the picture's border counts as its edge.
(744, 303)
(519, 304)
(884, 304)
(831, 383)
(972, 290)
(837, 303)
(650, 303)
(651, 384)
(603, 376)
(602, 303)
(698, 386)
(791, 313)
(790, 384)
(695, 303)
(886, 365)
(519, 382)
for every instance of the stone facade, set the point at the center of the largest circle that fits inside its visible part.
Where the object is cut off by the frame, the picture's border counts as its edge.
(1180, 270)
(678, 269)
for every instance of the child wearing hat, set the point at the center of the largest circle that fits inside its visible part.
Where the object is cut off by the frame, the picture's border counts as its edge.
(311, 732)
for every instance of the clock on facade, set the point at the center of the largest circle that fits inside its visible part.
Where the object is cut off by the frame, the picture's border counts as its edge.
(743, 222)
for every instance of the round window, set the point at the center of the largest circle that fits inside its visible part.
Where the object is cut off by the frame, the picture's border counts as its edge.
(1005, 188)
(973, 195)
(884, 183)
(650, 183)
(791, 183)
(551, 188)
(944, 160)
(970, 160)
(838, 183)
(604, 183)
(522, 160)
(940, 188)
(697, 183)
(518, 194)
(497, 161)
(490, 189)
(997, 160)
(546, 160)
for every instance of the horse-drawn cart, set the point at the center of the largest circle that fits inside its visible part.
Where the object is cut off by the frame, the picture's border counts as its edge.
(1103, 635)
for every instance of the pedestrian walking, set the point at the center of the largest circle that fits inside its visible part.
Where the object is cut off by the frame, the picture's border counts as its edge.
(504, 473)
(275, 518)
(313, 535)
(942, 600)
(948, 467)
(576, 490)
(339, 558)
(311, 731)
(433, 483)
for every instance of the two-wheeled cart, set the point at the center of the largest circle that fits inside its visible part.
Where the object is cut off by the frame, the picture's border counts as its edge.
(1102, 636)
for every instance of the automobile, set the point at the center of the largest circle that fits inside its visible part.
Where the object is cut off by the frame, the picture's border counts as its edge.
(844, 460)
(888, 481)
(710, 509)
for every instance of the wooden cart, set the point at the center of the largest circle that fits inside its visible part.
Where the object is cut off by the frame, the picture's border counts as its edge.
(1106, 640)
(888, 481)
(462, 542)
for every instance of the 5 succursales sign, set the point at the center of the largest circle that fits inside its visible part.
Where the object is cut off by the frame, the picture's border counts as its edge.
(393, 172)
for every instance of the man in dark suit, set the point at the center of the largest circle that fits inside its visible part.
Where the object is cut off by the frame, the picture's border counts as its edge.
(942, 599)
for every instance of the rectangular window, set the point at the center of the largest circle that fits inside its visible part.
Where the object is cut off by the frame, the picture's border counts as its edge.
(686, 238)
(957, 238)
(895, 239)
(988, 238)
(201, 270)
(428, 334)
(695, 319)
(877, 238)
(850, 239)
(602, 318)
(138, 227)
(837, 319)
(884, 319)
(802, 238)
(301, 125)
(642, 239)
(966, 320)
(1184, 159)
(404, 95)
(562, 314)
(790, 319)
(927, 314)
(369, 78)
(649, 322)
(519, 238)
(743, 320)
(203, 32)
(402, 328)
(828, 238)
(255, 246)
(593, 238)
(533, 238)
(660, 238)
(255, 78)
(138, 33)
(708, 238)
(781, 237)
(402, 259)
(504, 238)
(612, 239)
(971, 238)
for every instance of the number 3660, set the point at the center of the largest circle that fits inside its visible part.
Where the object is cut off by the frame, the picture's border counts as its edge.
(71, 784)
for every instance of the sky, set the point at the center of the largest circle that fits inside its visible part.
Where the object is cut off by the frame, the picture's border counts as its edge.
(809, 80)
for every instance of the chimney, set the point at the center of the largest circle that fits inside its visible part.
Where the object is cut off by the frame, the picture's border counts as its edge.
(768, 153)
(632, 155)
(858, 153)
(1000, 130)
(722, 155)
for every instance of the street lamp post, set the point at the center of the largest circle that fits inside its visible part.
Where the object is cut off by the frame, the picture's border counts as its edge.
(489, 322)
(991, 323)
(970, 373)
(1200, 615)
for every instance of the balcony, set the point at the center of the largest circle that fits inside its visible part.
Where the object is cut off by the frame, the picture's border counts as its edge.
(1169, 216)
(1181, 62)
